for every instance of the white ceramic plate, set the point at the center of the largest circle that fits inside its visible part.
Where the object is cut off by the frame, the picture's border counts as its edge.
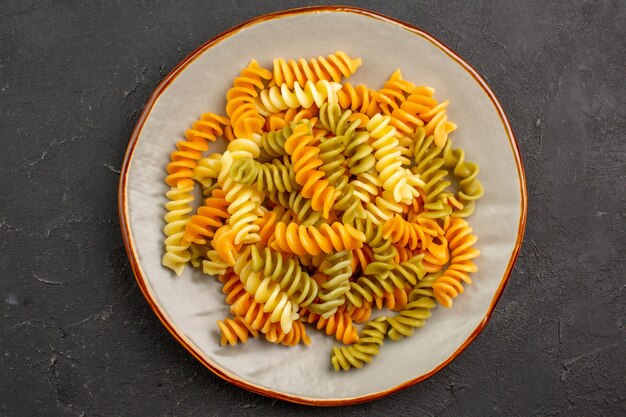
(190, 305)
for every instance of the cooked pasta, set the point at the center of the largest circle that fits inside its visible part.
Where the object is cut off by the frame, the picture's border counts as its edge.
(330, 203)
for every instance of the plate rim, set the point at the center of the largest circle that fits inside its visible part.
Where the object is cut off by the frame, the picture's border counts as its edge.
(160, 312)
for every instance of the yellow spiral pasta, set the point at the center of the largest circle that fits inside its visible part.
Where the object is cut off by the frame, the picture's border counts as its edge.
(388, 165)
(278, 98)
(206, 171)
(330, 203)
(176, 246)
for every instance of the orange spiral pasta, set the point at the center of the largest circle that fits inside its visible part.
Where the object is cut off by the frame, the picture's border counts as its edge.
(276, 121)
(244, 117)
(362, 257)
(461, 241)
(252, 312)
(208, 218)
(395, 300)
(296, 335)
(234, 331)
(393, 92)
(232, 286)
(403, 254)
(301, 240)
(404, 233)
(331, 68)
(224, 242)
(180, 170)
(331, 203)
(305, 164)
(436, 254)
(359, 99)
(339, 325)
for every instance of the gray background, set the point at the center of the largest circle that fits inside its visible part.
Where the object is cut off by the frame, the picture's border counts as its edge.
(77, 337)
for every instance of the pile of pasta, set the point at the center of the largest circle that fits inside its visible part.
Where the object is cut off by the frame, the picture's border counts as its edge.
(331, 202)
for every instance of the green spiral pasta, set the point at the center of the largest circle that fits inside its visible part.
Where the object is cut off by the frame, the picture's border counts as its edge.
(276, 175)
(384, 251)
(383, 263)
(331, 155)
(291, 278)
(363, 351)
(470, 189)
(336, 121)
(299, 205)
(333, 159)
(365, 288)
(333, 292)
(371, 286)
(272, 143)
(414, 315)
(360, 153)
(351, 205)
(410, 272)
(429, 167)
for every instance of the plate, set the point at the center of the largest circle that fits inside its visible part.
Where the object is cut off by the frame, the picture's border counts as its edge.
(189, 305)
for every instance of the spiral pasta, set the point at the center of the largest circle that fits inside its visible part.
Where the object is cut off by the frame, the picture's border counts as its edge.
(302, 240)
(331, 202)
(470, 189)
(276, 121)
(244, 117)
(274, 300)
(287, 272)
(183, 160)
(276, 175)
(363, 351)
(234, 331)
(208, 218)
(276, 99)
(394, 92)
(338, 324)
(359, 99)
(176, 247)
(297, 334)
(412, 316)
(337, 267)
(388, 165)
(206, 170)
(461, 242)
(305, 161)
(333, 67)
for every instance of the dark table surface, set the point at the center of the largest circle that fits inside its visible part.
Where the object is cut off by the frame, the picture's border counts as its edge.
(78, 338)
